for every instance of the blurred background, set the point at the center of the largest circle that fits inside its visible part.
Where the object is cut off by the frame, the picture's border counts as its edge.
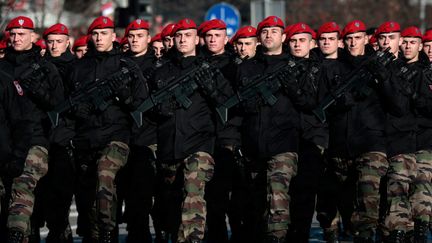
(77, 14)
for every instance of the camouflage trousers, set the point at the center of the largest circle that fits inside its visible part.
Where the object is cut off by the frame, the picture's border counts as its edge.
(280, 170)
(112, 159)
(198, 169)
(22, 201)
(370, 168)
(421, 188)
(401, 173)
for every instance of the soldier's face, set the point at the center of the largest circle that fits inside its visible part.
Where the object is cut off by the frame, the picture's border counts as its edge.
(329, 43)
(57, 44)
(355, 43)
(215, 41)
(272, 38)
(427, 48)
(158, 48)
(300, 45)
(411, 47)
(138, 41)
(391, 40)
(186, 41)
(21, 39)
(80, 51)
(246, 47)
(103, 39)
(168, 42)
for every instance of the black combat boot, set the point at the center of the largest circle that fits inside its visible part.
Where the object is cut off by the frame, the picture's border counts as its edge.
(64, 236)
(274, 239)
(34, 236)
(420, 231)
(107, 237)
(358, 239)
(331, 235)
(396, 236)
(15, 236)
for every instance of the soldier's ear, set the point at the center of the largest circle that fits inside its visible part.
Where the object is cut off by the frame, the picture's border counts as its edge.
(113, 36)
(196, 40)
(226, 40)
(33, 37)
(421, 47)
(400, 40)
(283, 37)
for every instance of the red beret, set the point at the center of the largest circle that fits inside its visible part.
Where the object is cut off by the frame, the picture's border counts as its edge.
(388, 27)
(201, 26)
(353, 27)
(3, 44)
(298, 29)
(137, 24)
(156, 37)
(372, 39)
(270, 21)
(41, 43)
(244, 32)
(123, 41)
(167, 31)
(100, 22)
(60, 29)
(427, 36)
(81, 41)
(412, 31)
(328, 27)
(214, 24)
(20, 22)
(184, 24)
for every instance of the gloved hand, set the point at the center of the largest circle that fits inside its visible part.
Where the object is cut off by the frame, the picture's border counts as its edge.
(13, 168)
(84, 110)
(124, 95)
(378, 70)
(120, 88)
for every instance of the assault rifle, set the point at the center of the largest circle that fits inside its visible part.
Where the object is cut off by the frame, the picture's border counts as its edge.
(179, 88)
(356, 80)
(98, 93)
(261, 85)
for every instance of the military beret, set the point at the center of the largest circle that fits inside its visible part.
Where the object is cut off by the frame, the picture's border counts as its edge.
(123, 41)
(353, 27)
(328, 27)
(412, 31)
(81, 41)
(372, 39)
(184, 24)
(156, 37)
(299, 28)
(244, 32)
(270, 21)
(60, 29)
(3, 44)
(137, 24)
(201, 26)
(100, 22)
(167, 31)
(387, 27)
(427, 36)
(20, 22)
(214, 24)
(41, 43)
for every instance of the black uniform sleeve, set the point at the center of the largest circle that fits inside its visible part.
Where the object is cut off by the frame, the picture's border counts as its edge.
(423, 95)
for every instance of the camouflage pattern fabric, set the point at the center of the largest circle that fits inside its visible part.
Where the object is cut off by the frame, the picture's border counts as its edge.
(401, 173)
(280, 170)
(370, 168)
(22, 201)
(114, 157)
(198, 170)
(421, 189)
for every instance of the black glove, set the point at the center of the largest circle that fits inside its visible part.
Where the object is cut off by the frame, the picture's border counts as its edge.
(124, 95)
(378, 70)
(84, 110)
(120, 88)
(13, 168)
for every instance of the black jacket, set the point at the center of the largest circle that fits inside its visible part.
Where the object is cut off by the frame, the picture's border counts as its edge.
(146, 134)
(398, 90)
(357, 120)
(16, 125)
(423, 105)
(271, 130)
(181, 131)
(17, 63)
(65, 131)
(113, 123)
